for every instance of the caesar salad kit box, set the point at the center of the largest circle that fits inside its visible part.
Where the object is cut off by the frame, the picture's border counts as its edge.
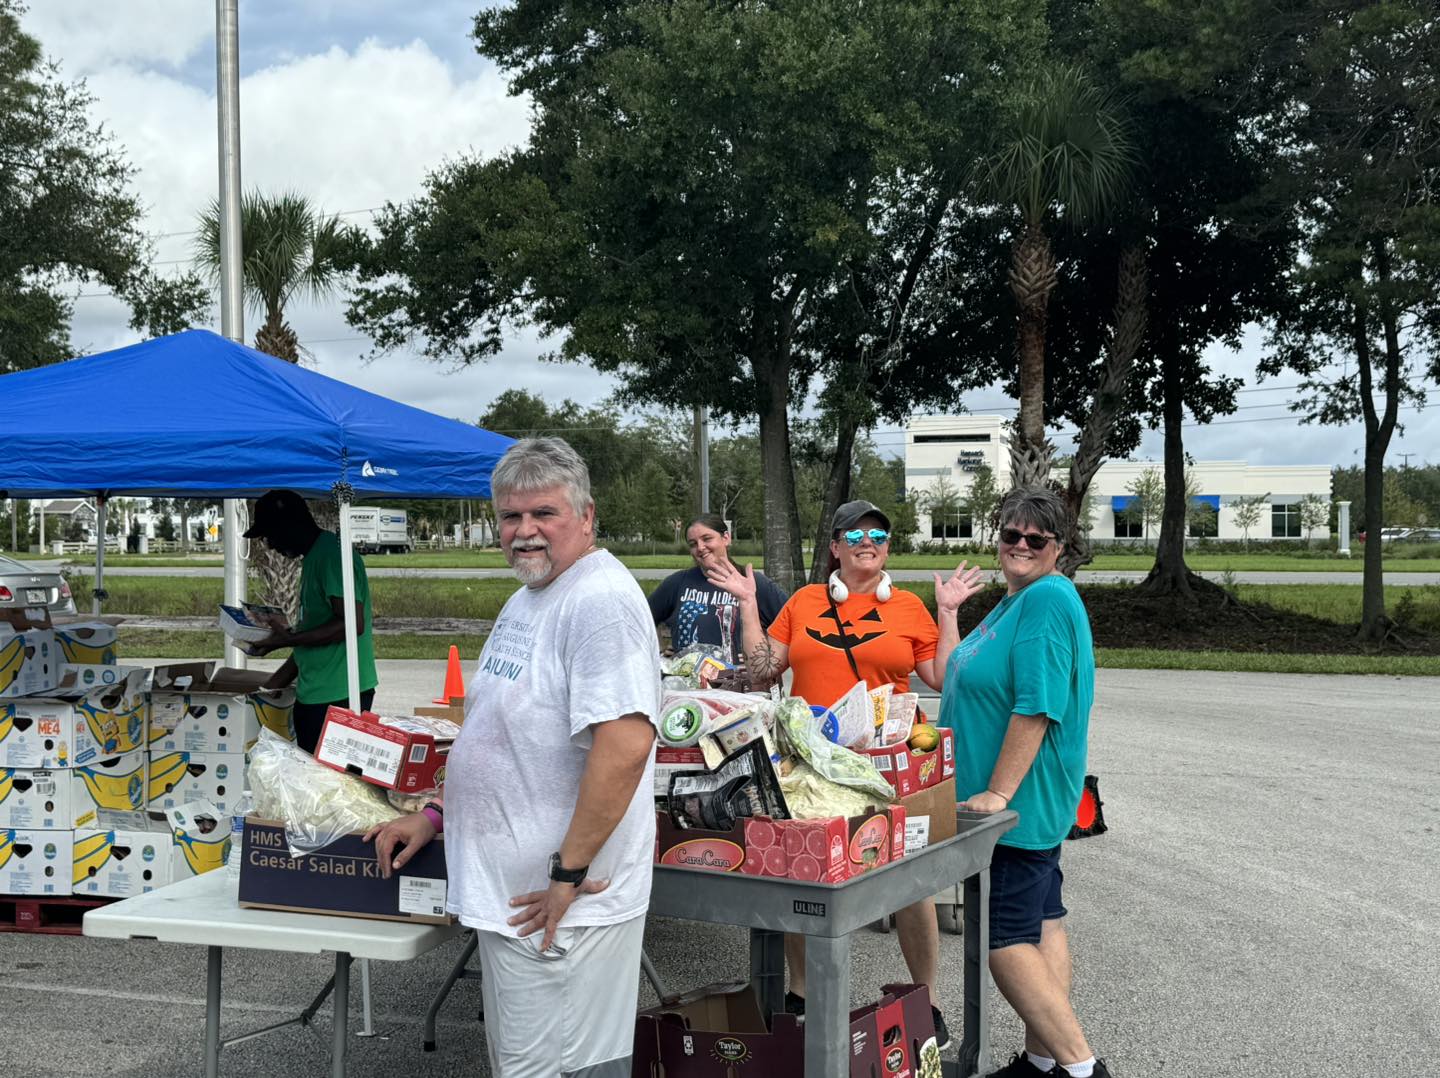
(177, 778)
(75, 726)
(197, 707)
(89, 643)
(35, 862)
(30, 659)
(343, 878)
(120, 864)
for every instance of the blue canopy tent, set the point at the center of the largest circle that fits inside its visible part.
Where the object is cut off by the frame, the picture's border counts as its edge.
(195, 414)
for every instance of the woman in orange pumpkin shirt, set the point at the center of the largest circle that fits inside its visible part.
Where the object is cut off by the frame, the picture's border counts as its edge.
(857, 627)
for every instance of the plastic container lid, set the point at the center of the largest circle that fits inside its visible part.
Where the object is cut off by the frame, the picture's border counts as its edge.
(829, 724)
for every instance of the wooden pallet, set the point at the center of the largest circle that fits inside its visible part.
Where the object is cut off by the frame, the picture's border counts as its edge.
(58, 916)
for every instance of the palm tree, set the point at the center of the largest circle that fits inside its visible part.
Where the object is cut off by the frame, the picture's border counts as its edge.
(1064, 158)
(288, 249)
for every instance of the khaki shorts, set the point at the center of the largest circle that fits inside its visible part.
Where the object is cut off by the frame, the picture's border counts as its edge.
(569, 1013)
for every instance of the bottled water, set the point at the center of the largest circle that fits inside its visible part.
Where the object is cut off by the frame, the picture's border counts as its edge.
(237, 832)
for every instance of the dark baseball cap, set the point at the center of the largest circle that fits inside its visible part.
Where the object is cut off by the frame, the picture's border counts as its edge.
(276, 509)
(851, 513)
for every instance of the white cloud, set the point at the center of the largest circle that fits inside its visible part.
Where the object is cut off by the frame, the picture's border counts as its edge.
(87, 36)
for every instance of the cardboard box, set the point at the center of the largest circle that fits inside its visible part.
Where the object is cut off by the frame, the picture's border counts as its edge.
(195, 707)
(178, 778)
(34, 862)
(87, 642)
(402, 754)
(103, 794)
(75, 726)
(120, 864)
(36, 799)
(929, 816)
(716, 1032)
(719, 1032)
(29, 657)
(830, 850)
(87, 676)
(910, 771)
(669, 760)
(343, 878)
(199, 839)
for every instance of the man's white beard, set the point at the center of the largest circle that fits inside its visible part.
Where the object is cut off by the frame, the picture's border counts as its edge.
(529, 571)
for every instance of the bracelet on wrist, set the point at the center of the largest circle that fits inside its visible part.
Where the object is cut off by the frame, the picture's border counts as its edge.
(431, 813)
(998, 794)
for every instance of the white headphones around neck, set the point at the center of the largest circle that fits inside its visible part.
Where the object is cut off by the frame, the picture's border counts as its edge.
(839, 592)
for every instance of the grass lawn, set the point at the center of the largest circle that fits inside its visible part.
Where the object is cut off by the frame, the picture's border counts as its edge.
(165, 644)
(493, 559)
(1263, 663)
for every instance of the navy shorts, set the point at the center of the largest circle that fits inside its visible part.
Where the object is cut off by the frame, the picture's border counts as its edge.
(1024, 891)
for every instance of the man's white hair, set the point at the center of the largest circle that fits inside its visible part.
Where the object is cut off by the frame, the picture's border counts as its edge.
(533, 464)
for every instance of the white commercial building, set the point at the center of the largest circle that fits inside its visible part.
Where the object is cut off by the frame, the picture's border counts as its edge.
(943, 453)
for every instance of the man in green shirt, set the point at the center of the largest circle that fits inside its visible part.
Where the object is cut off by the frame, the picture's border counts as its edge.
(317, 660)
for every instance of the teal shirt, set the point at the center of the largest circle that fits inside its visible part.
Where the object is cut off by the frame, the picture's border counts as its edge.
(322, 677)
(1031, 655)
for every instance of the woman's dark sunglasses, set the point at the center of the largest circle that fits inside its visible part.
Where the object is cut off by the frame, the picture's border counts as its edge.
(1034, 540)
(855, 536)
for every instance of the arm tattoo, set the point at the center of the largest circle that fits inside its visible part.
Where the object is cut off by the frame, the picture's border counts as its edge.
(765, 669)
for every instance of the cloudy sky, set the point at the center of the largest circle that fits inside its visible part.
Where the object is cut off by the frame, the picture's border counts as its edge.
(352, 102)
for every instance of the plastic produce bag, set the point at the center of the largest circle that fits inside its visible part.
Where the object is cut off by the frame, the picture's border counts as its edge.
(811, 796)
(684, 664)
(317, 804)
(800, 735)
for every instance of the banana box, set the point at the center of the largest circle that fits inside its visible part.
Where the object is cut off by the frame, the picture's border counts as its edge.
(178, 778)
(196, 708)
(76, 725)
(30, 659)
(199, 839)
(87, 676)
(35, 862)
(87, 642)
(120, 864)
(36, 799)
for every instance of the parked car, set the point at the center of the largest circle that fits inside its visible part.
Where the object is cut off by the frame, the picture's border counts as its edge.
(1422, 535)
(1389, 535)
(22, 585)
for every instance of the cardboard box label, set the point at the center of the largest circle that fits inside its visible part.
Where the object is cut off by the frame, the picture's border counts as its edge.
(422, 895)
(345, 749)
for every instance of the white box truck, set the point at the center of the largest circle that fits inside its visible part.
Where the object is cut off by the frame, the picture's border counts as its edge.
(380, 531)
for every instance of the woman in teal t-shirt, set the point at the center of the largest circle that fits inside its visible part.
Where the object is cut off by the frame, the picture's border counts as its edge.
(1017, 693)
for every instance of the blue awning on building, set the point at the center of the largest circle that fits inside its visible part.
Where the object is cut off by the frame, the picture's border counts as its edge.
(1121, 502)
(1212, 500)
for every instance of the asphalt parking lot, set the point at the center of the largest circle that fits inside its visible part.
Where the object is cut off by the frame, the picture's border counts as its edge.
(1267, 902)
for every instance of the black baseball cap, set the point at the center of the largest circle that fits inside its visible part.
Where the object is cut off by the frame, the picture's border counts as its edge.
(851, 513)
(276, 509)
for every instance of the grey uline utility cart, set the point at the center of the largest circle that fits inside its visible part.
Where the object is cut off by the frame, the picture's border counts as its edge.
(827, 913)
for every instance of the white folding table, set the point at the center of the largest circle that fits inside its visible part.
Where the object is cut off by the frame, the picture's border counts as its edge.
(204, 911)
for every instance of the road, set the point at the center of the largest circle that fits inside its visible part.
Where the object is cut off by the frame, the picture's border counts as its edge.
(1085, 576)
(1265, 905)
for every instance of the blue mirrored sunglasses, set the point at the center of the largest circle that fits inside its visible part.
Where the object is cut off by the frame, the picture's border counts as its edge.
(878, 536)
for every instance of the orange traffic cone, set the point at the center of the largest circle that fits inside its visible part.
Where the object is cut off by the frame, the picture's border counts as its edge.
(454, 680)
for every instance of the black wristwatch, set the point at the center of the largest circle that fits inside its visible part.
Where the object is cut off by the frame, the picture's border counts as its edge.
(574, 876)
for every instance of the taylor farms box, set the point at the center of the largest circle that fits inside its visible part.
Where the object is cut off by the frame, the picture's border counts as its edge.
(177, 778)
(85, 642)
(199, 839)
(719, 1032)
(342, 878)
(929, 816)
(29, 657)
(405, 754)
(829, 850)
(910, 771)
(34, 862)
(195, 707)
(120, 864)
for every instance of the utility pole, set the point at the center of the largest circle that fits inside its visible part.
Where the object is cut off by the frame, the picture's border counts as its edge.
(1405, 457)
(702, 454)
(232, 311)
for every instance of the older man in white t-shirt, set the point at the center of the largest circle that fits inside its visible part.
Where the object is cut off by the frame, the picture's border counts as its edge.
(549, 822)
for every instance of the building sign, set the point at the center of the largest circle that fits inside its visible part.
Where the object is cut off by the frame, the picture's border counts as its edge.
(970, 459)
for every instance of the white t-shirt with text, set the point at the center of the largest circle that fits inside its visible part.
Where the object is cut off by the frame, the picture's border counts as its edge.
(581, 650)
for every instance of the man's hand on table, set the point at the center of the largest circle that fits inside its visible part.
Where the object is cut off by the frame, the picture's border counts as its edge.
(546, 909)
(410, 833)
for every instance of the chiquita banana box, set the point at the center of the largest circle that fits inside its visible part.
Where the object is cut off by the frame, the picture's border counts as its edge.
(121, 864)
(36, 799)
(75, 726)
(34, 862)
(30, 661)
(197, 708)
(200, 839)
(89, 643)
(177, 778)
(102, 793)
